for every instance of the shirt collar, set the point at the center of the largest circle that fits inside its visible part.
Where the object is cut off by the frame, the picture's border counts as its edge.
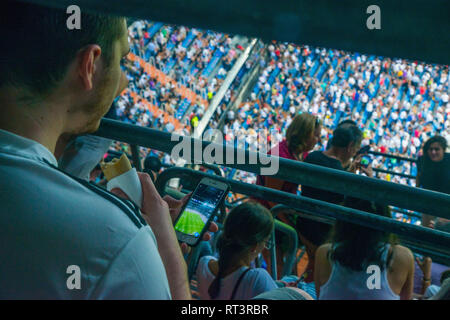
(14, 144)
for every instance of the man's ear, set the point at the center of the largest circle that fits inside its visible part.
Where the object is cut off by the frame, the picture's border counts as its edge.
(88, 58)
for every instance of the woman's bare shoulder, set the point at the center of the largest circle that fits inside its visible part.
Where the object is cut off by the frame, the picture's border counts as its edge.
(402, 255)
(322, 251)
(213, 266)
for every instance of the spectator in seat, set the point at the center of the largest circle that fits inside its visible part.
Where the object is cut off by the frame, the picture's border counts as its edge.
(247, 230)
(429, 290)
(434, 174)
(341, 266)
(444, 291)
(345, 143)
(301, 136)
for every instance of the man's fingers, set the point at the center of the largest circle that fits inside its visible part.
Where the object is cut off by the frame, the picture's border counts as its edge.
(213, 227)
(173, 214)
(148, 188)
(147, 183)
(186, 198)
(118, 192)
(185, 248)
(172, 202)
(418, 261)
(206, 236)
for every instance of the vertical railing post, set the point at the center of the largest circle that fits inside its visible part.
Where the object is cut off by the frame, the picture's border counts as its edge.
(136, 157)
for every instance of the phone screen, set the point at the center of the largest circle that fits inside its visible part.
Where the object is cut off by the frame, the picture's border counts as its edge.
(366, 160)
(199, 209)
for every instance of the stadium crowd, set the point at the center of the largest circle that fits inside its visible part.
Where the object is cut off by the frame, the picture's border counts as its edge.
(193, 60)
(398, 104)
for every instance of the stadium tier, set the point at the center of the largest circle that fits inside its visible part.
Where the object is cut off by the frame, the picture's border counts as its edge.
(176, 71)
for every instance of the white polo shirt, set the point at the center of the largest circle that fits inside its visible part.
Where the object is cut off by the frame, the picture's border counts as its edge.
(50, 221)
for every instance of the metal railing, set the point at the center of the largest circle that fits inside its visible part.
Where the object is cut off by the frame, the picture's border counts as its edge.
(433, 243)
(393, 173)
(420, 200)
(386, 155)
(392, 156)
(292, 245)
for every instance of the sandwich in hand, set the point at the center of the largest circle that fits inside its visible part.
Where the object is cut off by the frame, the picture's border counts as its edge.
(120, 174)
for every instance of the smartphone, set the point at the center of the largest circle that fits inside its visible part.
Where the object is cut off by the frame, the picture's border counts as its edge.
(366, 161)
(200, 210)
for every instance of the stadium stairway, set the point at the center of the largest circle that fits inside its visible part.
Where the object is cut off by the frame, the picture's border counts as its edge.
(152, 30)
(215, 58)
(182, 108)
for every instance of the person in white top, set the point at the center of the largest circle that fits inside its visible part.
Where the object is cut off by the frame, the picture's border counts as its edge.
(247, 231)
(55, 225)
(342, 266)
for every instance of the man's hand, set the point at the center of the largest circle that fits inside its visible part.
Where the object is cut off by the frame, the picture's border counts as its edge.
(356, 164)
(175, 210)
(174, 206)
(157, 214)
(367, 170)
(154, 209)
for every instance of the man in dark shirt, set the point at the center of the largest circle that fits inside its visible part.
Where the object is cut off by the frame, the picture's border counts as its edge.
(345, 143)
(321, 159)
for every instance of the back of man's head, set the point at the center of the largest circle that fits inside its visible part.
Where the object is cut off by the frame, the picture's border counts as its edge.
(38, 47)
(343, 124)
(346, 123)
(344, 135)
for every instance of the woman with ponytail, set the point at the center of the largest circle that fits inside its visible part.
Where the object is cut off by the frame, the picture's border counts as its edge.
(247, 231)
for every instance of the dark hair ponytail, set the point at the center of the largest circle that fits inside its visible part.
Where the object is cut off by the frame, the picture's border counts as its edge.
(355, 246)
(226, 251)
(246, 225)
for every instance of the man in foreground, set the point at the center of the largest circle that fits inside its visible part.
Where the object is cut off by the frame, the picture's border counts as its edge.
(56, 83)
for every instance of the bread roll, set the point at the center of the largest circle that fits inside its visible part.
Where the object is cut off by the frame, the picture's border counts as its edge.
(116, 167)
